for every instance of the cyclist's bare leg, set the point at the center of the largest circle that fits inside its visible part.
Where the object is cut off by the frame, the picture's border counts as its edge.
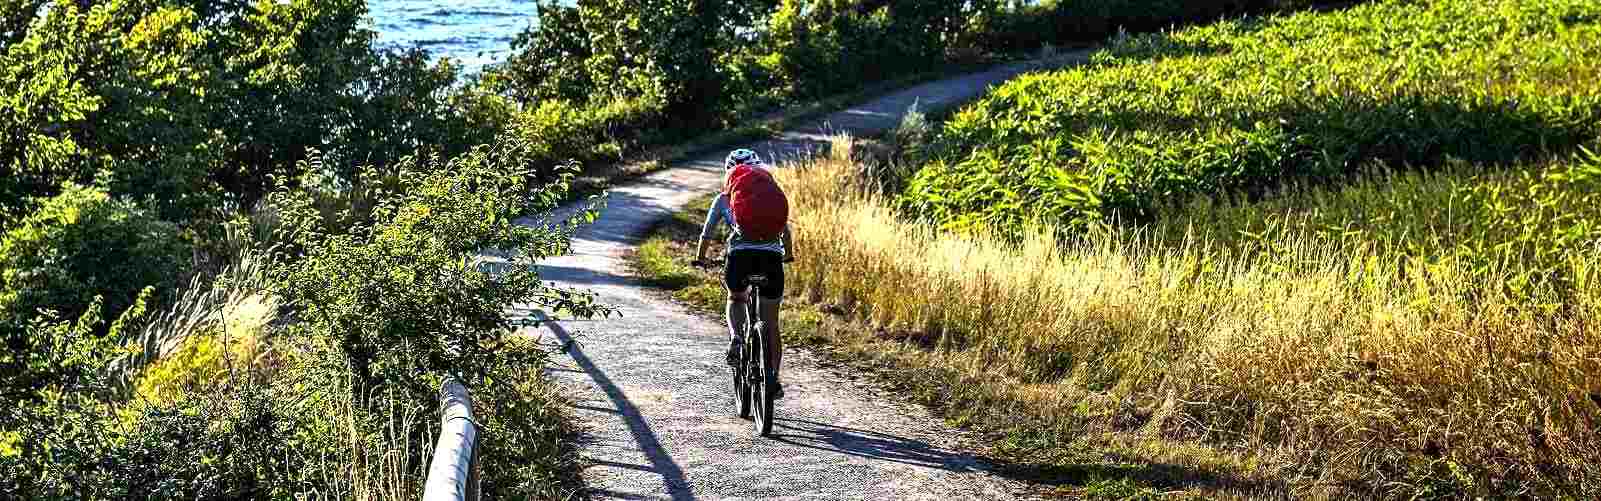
(735, 315)
(768, 308)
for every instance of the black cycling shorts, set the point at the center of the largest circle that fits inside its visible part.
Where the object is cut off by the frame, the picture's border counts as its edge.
(744, 263)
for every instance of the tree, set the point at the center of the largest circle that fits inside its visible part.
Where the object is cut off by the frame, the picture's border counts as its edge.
(548, 59)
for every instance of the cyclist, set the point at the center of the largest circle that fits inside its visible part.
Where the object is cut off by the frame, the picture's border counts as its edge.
(746, 257)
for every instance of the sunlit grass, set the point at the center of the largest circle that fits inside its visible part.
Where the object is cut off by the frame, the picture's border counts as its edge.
(1315, 363)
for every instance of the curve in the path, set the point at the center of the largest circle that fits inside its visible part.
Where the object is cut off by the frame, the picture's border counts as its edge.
(650, 387)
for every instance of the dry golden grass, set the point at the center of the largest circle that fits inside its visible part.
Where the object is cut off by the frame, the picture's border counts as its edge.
(1311, 364)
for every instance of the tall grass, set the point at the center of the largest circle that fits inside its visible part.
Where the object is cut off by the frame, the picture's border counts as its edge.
(1357, 366)
(1530, 218)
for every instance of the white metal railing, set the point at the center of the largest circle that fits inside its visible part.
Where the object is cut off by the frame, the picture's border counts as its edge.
(453, 474)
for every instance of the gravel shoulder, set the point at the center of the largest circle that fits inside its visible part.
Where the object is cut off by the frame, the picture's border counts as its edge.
(650, 387)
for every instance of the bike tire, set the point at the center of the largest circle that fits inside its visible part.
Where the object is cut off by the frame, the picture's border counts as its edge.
(741, 372)
(741, 390)
(762, 385)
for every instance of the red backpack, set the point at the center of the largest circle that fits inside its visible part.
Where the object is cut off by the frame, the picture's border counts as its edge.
(760, 208)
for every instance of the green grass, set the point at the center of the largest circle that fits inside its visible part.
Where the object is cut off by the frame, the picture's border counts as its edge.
(1525, 223)
(1244, 106)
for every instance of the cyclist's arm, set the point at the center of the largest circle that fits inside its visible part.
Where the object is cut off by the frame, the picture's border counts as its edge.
(789, 245)
(708, 231)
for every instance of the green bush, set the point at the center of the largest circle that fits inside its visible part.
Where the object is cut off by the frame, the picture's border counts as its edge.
(192, 104)
(820, 48)
(82, 244)
(400, 299)
(1243, 106)
(557, 132)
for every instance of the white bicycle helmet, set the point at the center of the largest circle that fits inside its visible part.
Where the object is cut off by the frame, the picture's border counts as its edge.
(742, 157)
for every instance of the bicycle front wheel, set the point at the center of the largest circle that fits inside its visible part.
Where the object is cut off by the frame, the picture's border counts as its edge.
(762, 383)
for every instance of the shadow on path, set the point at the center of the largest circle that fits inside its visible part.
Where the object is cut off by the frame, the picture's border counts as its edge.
(870, 444)
(660, 463)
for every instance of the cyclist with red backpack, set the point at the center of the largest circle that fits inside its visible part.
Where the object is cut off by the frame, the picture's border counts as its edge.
(757, 211)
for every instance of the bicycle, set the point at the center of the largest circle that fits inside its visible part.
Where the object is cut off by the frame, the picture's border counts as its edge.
(753, 380)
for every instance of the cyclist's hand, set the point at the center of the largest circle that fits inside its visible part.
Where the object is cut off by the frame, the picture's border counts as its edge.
(789, 259)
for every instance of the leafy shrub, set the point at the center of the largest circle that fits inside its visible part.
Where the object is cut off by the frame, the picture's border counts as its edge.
(165, 99)
(403, 106)
(51, 356)
(1242, 106)
(547, 60)
(526, 427)
(85, 91)
(384, 310)
(378, 294)
(556, 132)
(82, 244)
(237, 443)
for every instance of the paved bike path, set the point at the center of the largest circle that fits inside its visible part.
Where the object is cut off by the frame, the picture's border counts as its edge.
(650, 388)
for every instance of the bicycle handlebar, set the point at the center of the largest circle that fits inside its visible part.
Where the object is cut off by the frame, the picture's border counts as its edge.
(711, 263)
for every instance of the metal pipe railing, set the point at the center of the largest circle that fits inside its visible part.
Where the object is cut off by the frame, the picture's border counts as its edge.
(453, 474)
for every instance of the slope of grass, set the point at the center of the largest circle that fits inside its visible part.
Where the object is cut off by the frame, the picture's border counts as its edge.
(1317, 369)
(1243, 106)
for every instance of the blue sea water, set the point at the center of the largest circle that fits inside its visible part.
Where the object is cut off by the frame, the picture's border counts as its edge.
(472, 32)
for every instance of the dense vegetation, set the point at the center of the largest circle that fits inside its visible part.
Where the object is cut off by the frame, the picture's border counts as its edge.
(236, 245)
(239, 242)
(1348, 253)
(605, 76)
(1285, 362)
(1245, 106)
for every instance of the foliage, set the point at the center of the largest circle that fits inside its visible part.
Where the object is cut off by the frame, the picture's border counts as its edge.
(816, 48)
(547, 60)
(110, 91)
(81, 245)
(1035, 24)
(1295, 358)
(1243, 106)
(303, 56)
(526, 427)
(385, 309)
(403, 295)
(188, 104)
(49, 357)
(221, 449)
(402, 106)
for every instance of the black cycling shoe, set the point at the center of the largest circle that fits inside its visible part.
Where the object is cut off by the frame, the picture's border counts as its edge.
(778, 390)
(733, 355)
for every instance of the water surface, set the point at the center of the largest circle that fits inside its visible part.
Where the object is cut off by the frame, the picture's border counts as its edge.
(472, 32)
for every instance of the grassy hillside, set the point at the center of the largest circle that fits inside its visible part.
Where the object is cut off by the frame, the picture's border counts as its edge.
(1166, 359)
(1248, 105)
(1328, 254)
